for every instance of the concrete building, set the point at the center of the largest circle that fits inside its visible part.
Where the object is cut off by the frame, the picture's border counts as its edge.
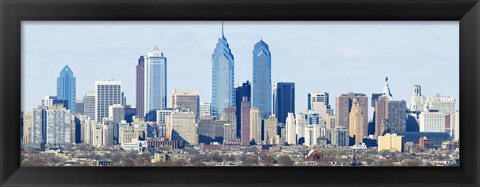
(106, 93)
(229, 132)
(344, 106)
(97, 135)
(456, 129)
(270, 130)
(319, 101)
(116, 113)
(301, 122)
(186, 99)
(245, 122)
(390, 142)
(59, 124)
(255, 125)
(390, 116)
(27, 128)
(181, 126)
(108, 134)
(432, 121)
(162, 115)
(89, 105)
(290, 129)
(338, 136)
(419, 102)
(205, 109)
(357, 128)
(245, 90)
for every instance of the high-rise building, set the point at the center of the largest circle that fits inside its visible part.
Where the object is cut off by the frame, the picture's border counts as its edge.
(58, 126)
(283, 100)
(79, 106)
(240, 92)
(432, 121)
(205, 109)
(456, 128)
(140, 86)
(89, 105)
(49, 101)
(116, 113)
(338, 136)
(390, 142)
(66, 88)
(245, 123)
(301, 121)
(97, 135)
(357, 128)
(255, 125)
(319, 101)
(343, 107)
(290, 129)
(187, 99)
(271, 130)
(211, 130)
(155, 82)
(27, 137)
(39, 126)
(229, 132)
(181, 126)
(229, 115)
(106, 93)
(108, 134)
(162, 115)
(262, 79)
(222, 77)
(419, 102)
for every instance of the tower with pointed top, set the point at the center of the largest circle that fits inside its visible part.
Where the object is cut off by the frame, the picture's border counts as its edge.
(262, 79)
(223, 92)
(155, 83)
(386, 90)
(66, 88)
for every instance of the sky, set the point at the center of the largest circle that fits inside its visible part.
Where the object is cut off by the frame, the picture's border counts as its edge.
(327, 56)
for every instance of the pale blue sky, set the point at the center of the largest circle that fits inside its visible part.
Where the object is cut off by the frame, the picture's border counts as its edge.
(336, 57)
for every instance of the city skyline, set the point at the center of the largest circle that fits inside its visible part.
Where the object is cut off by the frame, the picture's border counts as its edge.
(402, 90)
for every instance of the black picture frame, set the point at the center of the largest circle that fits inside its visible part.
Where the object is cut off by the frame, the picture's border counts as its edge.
(12, 12)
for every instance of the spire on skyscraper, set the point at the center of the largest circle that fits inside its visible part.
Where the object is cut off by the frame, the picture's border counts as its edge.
(223, 36)
(386, 90)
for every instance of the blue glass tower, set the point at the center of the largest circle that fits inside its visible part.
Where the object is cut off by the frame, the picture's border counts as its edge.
(223, 92)
(262, 79)
(283, 100)
(66, 88)
(155, 82)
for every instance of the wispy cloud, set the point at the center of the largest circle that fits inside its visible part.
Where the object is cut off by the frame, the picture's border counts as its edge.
(353, 53)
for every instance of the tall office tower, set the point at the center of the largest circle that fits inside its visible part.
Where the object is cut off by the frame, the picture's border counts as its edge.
(89, 105)
(39, 126)
(245, 122)
(229, 115)
(222, 77)
(58, 126)
(357, 127)
(432, 121)
(344, 105)
(181, 126)
(108, 134)
(271, 128)
(319, 101)
(283, 100)
(262, 79)
(106, 93)
(205, 109)
(290, 129)
(27, 137)
(381, 116)
(155, 82)
(116, 113)
(162, 115)
(66, 88)
(390, 116)
(90, 125)
(255, 125)
(242, 91)
(312, 133)
(301, 121)
(140, 86)
(229, 132)
(79, 105)
(187, 99)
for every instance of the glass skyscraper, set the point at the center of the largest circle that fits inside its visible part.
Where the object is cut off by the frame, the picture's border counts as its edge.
(66, 88)
(155, 82)
(223, 92)
(283, 100)
(262, 79)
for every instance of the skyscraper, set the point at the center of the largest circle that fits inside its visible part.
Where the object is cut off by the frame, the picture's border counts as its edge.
(222, 77)
(106, 93)
(290, 128)
(318, 101)
(66, 88)
(262, 79)
(140, 86)
(245, 121)
(155, 82)
(58, 126)
(255, 125)
(89, 105)
(344, 105)
(240, 92)
(187, 99)
(283, 100)
(357, 127)
(181, 126)
(116, 113)
(270, 130)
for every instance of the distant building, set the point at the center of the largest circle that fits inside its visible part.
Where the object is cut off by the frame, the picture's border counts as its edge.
(456, 131)
(432, 121)
(271, 130)
(162, 115)
(106, 93)
(262, 79)
(66, 88)
(116, 113)
(437, 137)
(390, 116)
(344, 106)
(140, 87)
(419, 102)
(211, 130)
(255, 125)
(79, 106)
(245, 122)
(108, 134)
(301, 122)
(290, 129)
(242, 91)
(319, 101)
(181, 126)
(187, 99)
(390, 142)
(205, 109)
(155, 82)
(222, 77)
(59, 124)
(89, 105)
(229, 132)
(357, 128)
(283, 100)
